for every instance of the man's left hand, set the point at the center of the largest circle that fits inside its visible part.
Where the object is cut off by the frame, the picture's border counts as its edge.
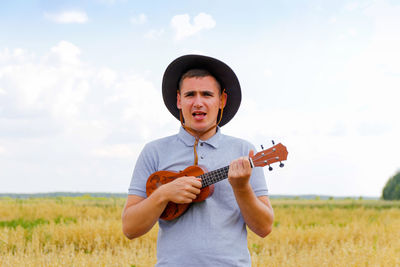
(240, 171)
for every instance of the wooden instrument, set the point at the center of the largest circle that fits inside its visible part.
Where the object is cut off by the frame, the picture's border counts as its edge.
(277, 153)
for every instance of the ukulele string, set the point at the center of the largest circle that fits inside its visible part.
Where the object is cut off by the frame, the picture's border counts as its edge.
(212, 177)
(262, 156)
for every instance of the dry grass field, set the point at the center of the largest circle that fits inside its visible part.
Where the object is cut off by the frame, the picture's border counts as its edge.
(86, 231)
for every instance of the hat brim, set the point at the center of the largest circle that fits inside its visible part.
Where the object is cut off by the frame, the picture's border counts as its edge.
(222, 72)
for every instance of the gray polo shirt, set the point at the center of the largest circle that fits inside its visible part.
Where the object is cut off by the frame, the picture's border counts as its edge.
(209, 233)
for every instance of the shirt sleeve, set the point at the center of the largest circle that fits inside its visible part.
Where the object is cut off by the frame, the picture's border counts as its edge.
(145, 166)
(257, 179)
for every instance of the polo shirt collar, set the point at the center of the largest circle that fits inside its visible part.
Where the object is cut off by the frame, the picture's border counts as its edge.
(189, 139)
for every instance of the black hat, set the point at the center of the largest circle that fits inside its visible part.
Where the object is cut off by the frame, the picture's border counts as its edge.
(222, 72)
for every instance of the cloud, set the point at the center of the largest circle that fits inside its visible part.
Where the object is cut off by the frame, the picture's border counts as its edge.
(154, 34)
(71, 124)
(332, 20)
(268, 72)
(58, 92)
(65, 53)
(140, 19)
(184, 28)
(114, 151)
(351, 6)
(67, 17)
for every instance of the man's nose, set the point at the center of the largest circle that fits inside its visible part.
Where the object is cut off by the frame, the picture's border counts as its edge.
(198, 101)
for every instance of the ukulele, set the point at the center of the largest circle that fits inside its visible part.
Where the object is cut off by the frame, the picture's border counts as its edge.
(277, 153)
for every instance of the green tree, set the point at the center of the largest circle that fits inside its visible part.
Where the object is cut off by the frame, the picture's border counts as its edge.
(391, 191)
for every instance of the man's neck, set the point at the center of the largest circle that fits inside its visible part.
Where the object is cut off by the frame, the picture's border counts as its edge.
(205, 135)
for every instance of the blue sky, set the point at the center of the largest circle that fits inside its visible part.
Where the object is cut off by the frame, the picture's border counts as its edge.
(80, 88)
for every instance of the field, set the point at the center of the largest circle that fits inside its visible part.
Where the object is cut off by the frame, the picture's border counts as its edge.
(86, 231)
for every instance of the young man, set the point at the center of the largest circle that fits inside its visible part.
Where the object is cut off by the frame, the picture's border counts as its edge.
(204, 94)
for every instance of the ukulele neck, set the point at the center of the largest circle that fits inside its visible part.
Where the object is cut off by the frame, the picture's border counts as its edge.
(215, 176)
(277, 153)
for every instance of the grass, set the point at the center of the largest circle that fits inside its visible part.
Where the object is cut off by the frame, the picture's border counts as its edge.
(86, 231)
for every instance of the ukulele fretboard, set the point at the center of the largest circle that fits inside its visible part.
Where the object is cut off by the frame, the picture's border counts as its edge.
(212, 177)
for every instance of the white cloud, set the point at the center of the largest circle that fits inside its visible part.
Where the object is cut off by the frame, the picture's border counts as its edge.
(351, 6)
(154, 34)
(332, 20)
(352, 32)
(17, 54)
(60, 86)
(107, 76)
(115, 151)
(65, 53)
(66, 17)
(65, 112)
(140, 19)
(184, 28)
(268, 72)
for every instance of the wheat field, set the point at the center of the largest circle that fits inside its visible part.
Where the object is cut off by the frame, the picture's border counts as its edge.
(86, 231)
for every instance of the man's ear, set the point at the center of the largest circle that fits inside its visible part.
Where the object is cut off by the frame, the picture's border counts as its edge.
(178, 99)
(224, 97)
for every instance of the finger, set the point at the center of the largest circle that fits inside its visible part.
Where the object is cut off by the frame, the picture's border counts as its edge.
(193, 181)
(251, 153)
(185, 200)
(246, 162)
(194, 190)
(234, 165)
(191, 196)
(196, 183)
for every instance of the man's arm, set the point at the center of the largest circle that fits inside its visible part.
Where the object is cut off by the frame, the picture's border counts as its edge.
(140, 214)
(256, 211)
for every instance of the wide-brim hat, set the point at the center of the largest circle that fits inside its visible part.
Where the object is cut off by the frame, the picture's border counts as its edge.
(221, 72)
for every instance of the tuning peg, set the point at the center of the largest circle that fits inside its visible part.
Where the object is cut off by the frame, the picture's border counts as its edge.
(270, 168)
(262, 147)
(273, 142)
(281, 165)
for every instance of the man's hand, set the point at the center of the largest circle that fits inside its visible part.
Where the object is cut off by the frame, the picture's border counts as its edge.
(240, 171)
(140, 214)
(257, 212)
(182, 190)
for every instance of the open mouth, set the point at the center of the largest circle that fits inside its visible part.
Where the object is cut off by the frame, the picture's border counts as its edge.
(198, 115)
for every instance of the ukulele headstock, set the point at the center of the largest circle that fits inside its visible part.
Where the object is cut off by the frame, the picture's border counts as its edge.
(277, 153)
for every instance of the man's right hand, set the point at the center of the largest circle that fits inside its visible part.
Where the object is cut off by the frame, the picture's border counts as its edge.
(181, 190)
(140, 214)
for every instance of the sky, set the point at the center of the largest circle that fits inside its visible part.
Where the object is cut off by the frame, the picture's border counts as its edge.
(80, 88)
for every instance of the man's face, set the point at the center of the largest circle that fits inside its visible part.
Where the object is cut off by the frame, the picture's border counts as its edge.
(200, 100)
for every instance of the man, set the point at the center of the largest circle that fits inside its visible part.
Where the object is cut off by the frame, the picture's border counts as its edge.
(204, 94)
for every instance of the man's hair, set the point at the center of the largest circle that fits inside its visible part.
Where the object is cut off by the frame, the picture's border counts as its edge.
(197, 73)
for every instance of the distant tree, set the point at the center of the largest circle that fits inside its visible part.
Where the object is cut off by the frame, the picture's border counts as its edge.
(391, 191)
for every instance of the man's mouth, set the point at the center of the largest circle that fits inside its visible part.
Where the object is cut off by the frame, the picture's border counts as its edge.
(198, 115)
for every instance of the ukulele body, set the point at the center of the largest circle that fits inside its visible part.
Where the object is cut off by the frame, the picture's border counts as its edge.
(174, 210)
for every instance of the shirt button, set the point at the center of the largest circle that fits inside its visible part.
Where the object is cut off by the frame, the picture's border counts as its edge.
(201, 144)
(201, 157)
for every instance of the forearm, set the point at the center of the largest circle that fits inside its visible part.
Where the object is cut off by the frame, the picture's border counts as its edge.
(140, 214)
(257, 214)
(139, 218)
